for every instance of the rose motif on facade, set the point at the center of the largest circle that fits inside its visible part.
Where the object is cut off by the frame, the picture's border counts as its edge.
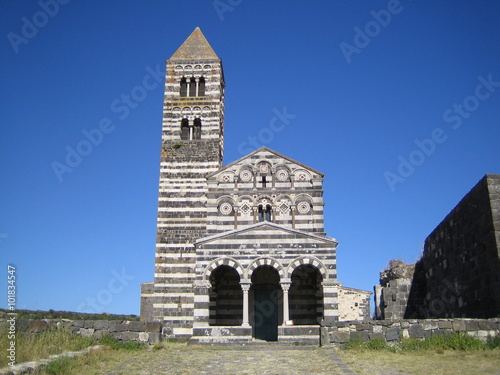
(225, 208)
(303, 207)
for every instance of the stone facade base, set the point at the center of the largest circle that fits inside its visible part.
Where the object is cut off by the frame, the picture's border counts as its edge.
(242, 335)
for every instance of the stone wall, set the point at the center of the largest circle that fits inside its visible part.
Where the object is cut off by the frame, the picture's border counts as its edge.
(459, 273)
(388, 330)
(145, 332)
(391, 296)
(354, 304)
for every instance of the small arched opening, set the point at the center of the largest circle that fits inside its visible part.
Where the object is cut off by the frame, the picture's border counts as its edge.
(185, 129)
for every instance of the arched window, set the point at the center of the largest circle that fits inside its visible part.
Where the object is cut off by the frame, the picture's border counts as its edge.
(197, 128)
(268, 213)
(192, 87)
(184, 87)
(201, 86)
(265, 213)
(185, 129)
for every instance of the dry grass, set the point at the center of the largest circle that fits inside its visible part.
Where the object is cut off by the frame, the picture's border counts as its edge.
(425, 362)
(31, 347)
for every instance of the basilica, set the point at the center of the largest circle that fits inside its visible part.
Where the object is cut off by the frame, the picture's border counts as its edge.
(241, 249)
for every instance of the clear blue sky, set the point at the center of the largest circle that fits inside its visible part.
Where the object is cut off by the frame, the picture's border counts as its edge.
(375, 86)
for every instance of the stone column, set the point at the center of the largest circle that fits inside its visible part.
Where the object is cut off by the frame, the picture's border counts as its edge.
(285, 286)
(245, 286)
(235, 217)
(293, 216)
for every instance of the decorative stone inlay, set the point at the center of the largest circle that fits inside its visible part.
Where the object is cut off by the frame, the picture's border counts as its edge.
(245, 208)
(225, 208)
(301, 176)
(303, 207)
(284, 208)
(226, 178)
(245, 176)
(282, 175)
(264, 168)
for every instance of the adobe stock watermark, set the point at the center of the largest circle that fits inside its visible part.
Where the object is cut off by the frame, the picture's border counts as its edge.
(277, 124)
(104, 297)
(32, 25)
(224, 6)
(363, 37)
(122, 107)
(3, 236)
(455, 115)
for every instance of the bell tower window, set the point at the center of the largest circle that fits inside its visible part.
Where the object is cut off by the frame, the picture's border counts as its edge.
(201, 86)
(192, 87)
(185, 129)
(184, 86)
(197, 128)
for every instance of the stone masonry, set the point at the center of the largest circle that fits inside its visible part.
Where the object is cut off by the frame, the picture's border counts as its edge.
(459, 273)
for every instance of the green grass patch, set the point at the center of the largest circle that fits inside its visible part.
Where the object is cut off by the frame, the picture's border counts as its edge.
(115, 344)
(459, 341)
(33, 346)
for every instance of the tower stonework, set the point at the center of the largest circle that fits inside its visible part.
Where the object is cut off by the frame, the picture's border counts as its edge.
(241, 250)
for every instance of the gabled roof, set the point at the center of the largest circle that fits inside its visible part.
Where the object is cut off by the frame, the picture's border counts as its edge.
(259, 150)
(253, 227)
(196, 47)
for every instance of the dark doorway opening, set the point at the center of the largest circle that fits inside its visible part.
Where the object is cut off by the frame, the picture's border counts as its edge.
(267, 303)
(306, 296)
(226, 297)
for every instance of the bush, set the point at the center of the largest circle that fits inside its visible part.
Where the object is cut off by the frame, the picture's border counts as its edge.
(113, 343)
(493, 342)
(58, 367)
(378, 344)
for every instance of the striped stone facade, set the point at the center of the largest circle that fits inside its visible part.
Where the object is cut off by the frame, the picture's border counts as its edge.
(241, 250)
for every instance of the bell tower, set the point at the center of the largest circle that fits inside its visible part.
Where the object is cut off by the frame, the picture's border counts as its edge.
(192, 148)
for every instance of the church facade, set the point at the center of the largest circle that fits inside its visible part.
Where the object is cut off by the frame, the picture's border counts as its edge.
(241, 249)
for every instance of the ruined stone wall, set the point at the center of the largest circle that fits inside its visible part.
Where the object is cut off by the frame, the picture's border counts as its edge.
(391, 296)
(145, 332)
(389, 330)
(459, 273)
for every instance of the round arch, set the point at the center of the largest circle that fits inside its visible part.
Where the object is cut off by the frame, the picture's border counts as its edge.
(265, 261)
(226, 261)
(313, 261)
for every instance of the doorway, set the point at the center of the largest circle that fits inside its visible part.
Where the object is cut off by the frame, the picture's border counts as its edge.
(267, 303)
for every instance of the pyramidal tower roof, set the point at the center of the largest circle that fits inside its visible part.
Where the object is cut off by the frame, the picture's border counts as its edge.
(195, 46)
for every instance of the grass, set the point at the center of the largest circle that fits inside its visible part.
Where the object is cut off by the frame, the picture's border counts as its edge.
(453, 354)
(30, 347)
(456, 341)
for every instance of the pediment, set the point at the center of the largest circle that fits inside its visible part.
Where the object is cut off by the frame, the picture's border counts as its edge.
(266, 229)
(265, 155)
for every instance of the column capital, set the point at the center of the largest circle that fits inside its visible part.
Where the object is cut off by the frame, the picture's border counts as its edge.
(330, 283)
(202, 284)
(285, 285)
(245, 286)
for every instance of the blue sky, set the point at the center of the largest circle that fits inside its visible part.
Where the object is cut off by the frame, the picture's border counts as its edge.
(398, 103)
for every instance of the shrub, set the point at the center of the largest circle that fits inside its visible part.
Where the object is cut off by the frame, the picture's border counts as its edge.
(58, 367)
(113, 343)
